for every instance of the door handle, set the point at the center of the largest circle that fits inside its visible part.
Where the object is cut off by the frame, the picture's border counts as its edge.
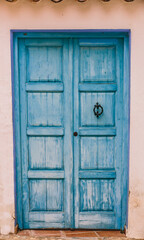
(75, 134)
(98, 109)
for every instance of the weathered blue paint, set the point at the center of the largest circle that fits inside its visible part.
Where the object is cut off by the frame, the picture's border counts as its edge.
(111, 31)
(13, 119)
(98, 61)
(46, 131)
(86, 219)
(126, 122)
(16, 130)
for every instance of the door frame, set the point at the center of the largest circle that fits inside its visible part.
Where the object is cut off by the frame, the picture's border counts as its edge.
(15, 35)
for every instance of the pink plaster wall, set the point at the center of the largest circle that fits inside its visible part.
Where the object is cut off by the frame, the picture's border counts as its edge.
(70, 14)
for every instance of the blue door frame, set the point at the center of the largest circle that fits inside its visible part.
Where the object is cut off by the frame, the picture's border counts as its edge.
(120, 34)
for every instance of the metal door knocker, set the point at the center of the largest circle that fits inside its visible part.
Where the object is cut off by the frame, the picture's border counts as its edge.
(98, 110)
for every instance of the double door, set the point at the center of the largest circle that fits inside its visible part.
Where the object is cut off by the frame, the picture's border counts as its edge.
(71, 101)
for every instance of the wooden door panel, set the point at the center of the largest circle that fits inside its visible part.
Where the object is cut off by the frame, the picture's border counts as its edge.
(97, 152)
(96, 195)
(45, 109)
(46, 133)
(88, 101)
(44, 63)
(97, 63)
(98, 79)
(46, 195)
(46, 153)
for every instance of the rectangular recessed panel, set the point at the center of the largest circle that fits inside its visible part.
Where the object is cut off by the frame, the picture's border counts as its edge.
(98, 64)
(45, 109)
(45, 152)
(46, 195)
(55, 195)
(107, 102)
(96, 195)
(44, 63)
(97, 152)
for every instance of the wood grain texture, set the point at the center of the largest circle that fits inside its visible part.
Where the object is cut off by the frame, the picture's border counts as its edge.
(45, 109)
(101, 154)
(97, 64)
(45, 153)
(44, 63)
(95, 195)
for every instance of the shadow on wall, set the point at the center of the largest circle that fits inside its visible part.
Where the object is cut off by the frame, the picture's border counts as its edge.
(82, 7)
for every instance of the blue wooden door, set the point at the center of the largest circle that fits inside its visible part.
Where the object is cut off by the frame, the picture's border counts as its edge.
(98, 79)
(71, 180)
(46, 132)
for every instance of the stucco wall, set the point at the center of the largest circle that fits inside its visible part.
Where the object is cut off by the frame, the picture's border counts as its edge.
(70, 14)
